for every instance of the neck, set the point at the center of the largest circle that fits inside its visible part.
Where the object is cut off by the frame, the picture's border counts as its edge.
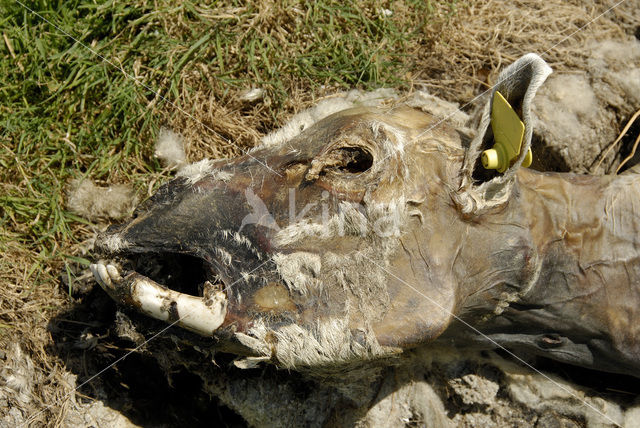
(586, 298)
(582, 227)
(581, 301)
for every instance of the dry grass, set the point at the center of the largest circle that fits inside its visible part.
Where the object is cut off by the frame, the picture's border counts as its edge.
(488, 35)
(66, 114)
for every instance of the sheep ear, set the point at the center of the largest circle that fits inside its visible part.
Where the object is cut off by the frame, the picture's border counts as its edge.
(483, 188)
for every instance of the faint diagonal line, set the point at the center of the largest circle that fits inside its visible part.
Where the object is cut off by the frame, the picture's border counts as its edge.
(474, 99)
(491, 340)
(66, 397)
(147, 87)
(266, 166)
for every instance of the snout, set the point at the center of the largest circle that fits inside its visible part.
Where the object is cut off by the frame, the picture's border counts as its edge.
(193, 255)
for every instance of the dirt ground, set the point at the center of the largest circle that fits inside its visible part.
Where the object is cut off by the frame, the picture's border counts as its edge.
(61, 342)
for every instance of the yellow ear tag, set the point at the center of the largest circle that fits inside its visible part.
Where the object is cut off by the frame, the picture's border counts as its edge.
(508, 132)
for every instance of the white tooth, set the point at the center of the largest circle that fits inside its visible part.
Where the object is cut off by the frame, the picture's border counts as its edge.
(199, 317)
(96, 275)
(113, 273)
(193, 313)
(104, 276)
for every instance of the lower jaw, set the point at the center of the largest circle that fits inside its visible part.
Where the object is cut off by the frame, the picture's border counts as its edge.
(201, 315)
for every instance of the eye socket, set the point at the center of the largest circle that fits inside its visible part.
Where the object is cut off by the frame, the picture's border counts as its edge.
(353, 160)
(344, 160)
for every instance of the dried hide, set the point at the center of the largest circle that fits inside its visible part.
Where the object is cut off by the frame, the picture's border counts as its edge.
(368, 252)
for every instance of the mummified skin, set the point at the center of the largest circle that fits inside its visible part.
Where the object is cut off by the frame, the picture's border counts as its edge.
(554, 269)
(578, 239)
(373, 231)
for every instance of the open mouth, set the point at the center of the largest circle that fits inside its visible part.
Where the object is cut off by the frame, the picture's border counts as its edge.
(176, 288)
(179, 272)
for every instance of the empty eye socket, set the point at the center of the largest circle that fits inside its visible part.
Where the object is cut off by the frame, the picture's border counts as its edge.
(352, 160)
(343, 160)
(357, 160)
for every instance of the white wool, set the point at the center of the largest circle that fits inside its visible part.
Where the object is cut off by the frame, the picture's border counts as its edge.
(393, 146)
(93, 202)
(199, 170)
(170, 149)
(224, 256)
(632, 417)
(329, 343)
(619, 62)
(382, 220)
(359, 274)
(566, 106)
(252, 95)
(574, 93)
(360, 278)
(299, 270)
(349, 220)
(609, 53)
(439, 108)
(629, 82)
(114, 243)
(18, 375)
(324, 108)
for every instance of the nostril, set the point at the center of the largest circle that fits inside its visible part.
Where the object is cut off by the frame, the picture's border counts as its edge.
(550, 340)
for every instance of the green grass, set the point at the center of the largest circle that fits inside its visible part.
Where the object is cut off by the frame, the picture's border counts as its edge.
(87, 107)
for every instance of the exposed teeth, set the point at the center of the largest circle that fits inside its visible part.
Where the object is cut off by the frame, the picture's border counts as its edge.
(193, 313)
(106, 276)
(113, 272)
